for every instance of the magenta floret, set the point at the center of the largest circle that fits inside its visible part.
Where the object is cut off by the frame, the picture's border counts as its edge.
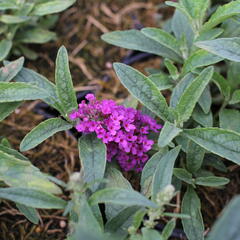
(124, 130)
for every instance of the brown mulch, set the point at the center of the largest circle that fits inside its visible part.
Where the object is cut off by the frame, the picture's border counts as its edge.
(79, 29)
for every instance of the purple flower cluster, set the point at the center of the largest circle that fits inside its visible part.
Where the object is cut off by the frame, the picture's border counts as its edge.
(123, 130)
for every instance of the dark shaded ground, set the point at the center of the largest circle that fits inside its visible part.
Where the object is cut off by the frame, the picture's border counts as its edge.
(79, 29)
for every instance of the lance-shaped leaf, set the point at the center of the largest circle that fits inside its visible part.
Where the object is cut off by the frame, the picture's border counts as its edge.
(92, 153)
(228, 48)
(7, 108)
(8, 72)
(42, 132)
(164, 171)
(136, 40)
(149, 170)
(34, 78)
(206, 120)
(10, 4)
(192, 94)
(12, 19)
(64, 84)
(32, 198)
(30, 213)
(50, 7)
(195, 155)
(223, 12)
(200, 58)
(120, 196)
(227, 226)
(21, 173)
(211, 181)
(191, 206)
(167, 134)
(224, 119)
(13, 92)
(222, 142)
(164, 38)
(5, 47)
(143, 89)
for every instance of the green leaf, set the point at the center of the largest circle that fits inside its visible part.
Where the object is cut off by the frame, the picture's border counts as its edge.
(92, 152)
(32, 198)
(210, 34)
(9, 4)
(192, 94)
(206, 120)
(222, 84)
(13, 92)
(35, 35)
(32, 77)
(191, 206)
(205, 101)
(51, 7)
(233, 74)
(223, 12)
(167, 134)
(161, 80)
(168, 229)
(8, 72)
(224, 143)
(227, 48)
(227, 226)
(235, 97)
(42, 132)
(115, 179)
(17, 172)
(194, 158)
(11, 19)
(86, 219)
(180, 88)
(117, 222)
(143, 89)
(65, 90)
(200, 58)
(6, 148)
(7, 108)
(5, 47)
(164, 171)
(30, 213)
(183, 175)
(211, 181)
(230, 119)
(150, 234)
(164, 38)
(182, 29)
(136, 40)
(148, 172)
(215, 162)
(172, 69)
(120, 196)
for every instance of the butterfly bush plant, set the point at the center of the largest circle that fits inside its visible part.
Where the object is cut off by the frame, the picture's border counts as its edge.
(27, 22)
(172, 148)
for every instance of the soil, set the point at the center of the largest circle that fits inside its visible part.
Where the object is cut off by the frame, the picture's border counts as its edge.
(79, 29)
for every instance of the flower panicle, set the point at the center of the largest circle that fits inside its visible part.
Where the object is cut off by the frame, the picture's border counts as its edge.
(124, 130)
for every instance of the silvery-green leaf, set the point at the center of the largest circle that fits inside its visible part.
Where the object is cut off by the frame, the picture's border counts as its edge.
(144, 90)
(193, 227)
(92, 152)
(211, 181)
(167, 134)
(161, 80)
(222, 142)
(230, 119)
(42, 132)
(135, 40)
(228, 48)
(200, 58)
(192, 94)
(164, 171)
(228, 224)
(5, 47)
(50, 7)
(222, 13)
(7, 108)
(235, 97)
(206, 120)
